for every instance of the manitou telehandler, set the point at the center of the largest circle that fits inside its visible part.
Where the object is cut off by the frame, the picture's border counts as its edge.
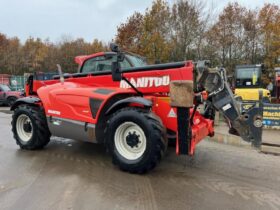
(117, 100)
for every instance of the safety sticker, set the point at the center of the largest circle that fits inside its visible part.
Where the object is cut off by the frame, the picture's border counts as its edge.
(226, 107)
(172, 113)
(53, 112)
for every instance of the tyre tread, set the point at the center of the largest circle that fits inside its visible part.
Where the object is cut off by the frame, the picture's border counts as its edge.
(42, 134)
(160, 144)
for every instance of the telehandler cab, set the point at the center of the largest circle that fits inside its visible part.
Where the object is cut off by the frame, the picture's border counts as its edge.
(132, 110)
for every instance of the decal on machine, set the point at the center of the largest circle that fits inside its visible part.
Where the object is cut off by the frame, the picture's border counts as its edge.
(226, 107)
(147, 82)
(50, 111)
(172, 113)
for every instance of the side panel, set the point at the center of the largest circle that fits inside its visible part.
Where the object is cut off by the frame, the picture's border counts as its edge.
(68, 100)
(73, 110)
(72, 129)
(76, 102)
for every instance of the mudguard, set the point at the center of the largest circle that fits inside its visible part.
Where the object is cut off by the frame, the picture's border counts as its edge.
(136, 100)
(31, 100)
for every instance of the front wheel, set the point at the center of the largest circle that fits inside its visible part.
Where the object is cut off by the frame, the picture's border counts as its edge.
(136, 139)
(29, 126)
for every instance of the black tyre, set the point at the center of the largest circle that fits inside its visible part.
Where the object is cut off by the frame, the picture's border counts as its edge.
(11, 100)
(30, 128)
(136, 139)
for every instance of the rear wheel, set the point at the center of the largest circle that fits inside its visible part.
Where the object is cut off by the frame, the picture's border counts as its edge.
(29, 126)
(136, 139)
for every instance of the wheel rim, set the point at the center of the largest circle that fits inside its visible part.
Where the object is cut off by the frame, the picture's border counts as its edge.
(130, 140)
(24, 128)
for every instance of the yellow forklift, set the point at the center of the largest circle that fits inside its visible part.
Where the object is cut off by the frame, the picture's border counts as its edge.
(248, 83)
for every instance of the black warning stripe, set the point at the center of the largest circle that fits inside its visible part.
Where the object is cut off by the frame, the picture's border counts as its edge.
(95, 104)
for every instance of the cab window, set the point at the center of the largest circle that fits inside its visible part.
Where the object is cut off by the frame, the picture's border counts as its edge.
(101, 64)
(97, 64)
(248, 77)
(136, 61)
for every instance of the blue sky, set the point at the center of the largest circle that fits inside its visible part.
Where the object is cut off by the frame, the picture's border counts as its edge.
(88, 19)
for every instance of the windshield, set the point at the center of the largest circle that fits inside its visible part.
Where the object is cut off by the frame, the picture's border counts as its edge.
(248, 77)
(5, 88)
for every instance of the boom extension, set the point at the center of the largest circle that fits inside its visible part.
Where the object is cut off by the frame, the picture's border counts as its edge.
(247, 125)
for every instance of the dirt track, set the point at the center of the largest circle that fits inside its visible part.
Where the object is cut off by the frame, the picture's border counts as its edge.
(76, 175)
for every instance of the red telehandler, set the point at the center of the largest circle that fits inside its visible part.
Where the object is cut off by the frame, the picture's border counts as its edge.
(132, 109)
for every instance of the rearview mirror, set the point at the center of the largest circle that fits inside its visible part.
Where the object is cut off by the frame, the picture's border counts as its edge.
(116, 73)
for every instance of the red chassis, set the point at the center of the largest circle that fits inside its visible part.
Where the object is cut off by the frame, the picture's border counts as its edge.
(73, 98)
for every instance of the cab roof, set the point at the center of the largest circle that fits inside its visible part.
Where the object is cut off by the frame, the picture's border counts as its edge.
(82, 58)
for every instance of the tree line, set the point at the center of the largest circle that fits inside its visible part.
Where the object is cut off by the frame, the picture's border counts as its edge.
(36, 55)
(184, 30)
(187, 30)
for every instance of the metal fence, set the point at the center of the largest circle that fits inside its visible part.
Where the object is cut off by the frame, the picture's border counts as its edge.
(15, 82)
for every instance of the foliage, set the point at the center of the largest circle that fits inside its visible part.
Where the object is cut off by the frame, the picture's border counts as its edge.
(269, 20)
(129, 33)
(38, 55)
(183, 30)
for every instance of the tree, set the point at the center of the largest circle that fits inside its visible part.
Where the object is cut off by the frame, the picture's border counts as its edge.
(69, 49)
(252, 50)
(155, 37)
(129, 33)
(269, 20)
(97, 46)
(13, 56)
(185, 21)
(228, 35)
(52, 57)
(34, 51)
